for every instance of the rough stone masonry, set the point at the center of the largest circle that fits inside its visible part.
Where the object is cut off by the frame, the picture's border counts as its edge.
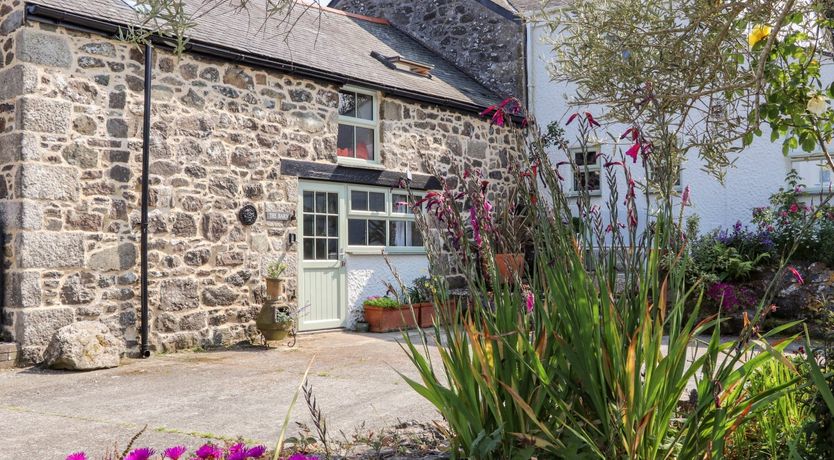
(70, 155)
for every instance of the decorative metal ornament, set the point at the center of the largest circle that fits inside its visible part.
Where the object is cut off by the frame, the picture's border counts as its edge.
(248, 215)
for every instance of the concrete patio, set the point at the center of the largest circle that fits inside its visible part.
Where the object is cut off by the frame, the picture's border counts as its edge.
(187, 397)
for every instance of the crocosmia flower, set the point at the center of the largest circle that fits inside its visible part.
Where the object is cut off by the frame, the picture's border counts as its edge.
(174, 453)
(796, 275)
(77, 456)
(140, 454)
(759, 33)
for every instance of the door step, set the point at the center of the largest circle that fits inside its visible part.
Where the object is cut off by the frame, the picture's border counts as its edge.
(8, 355)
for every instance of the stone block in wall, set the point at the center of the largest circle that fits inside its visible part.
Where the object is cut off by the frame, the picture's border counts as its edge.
(115, 258)
(17, 81)
(36, 326)
(43, 115)
(219, 296)
(43, 48)
(17, 215)
(178, 294)
(12, 22)
(16, 147)
(47, 182)
(23, 289)
(49, 250)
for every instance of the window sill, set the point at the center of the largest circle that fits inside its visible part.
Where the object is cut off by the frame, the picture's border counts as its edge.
(808, 191)
(354, 163)
(384, 250)
(577, 194)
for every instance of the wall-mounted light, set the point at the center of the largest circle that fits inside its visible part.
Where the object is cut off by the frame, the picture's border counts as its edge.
(291, 239)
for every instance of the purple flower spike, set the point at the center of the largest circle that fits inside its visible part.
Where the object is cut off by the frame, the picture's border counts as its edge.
(77, 456)
(174, 453)
(256, 452)
(144, 453)
(209, 451)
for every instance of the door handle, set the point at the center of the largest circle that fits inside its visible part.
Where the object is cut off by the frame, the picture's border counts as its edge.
(342, 258)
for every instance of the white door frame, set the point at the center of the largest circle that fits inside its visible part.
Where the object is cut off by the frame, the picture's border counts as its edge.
(313, 320)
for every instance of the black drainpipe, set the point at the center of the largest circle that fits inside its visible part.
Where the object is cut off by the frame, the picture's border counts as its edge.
(143, 248)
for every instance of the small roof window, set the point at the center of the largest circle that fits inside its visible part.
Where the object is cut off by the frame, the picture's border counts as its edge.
(406, 65)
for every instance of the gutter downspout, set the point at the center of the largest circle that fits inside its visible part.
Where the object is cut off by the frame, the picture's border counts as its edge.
(528, 62)
(145, 351)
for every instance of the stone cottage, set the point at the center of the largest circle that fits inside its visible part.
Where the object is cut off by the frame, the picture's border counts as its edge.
(313, 129)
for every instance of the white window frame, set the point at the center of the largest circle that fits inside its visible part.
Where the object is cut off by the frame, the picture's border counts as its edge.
(376, 163)
(812, 157)
(388, 216)
(596, 167)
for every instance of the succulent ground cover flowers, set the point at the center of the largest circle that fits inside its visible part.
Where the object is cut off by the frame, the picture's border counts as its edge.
(207, 451)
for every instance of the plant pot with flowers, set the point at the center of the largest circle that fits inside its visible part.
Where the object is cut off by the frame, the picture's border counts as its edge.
(385, 314)
(511, 238)
(274, 283)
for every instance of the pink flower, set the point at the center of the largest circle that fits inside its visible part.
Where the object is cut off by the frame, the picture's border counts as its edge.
(174, 453)
(685, 197)
(530, 302)
(633, 151)
(209, 451)
(256, 452)
(590, 119)
(571, 118)
(796, 275)
(794, 208)
(140, 454)
(77, 456)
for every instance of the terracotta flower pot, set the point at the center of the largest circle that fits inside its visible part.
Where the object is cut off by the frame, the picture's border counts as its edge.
(275, 288)
(509, 266)
(426, 313)
(390, 319)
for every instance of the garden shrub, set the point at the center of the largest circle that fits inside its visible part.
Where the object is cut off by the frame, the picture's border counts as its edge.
(793, 223)
(730, 255)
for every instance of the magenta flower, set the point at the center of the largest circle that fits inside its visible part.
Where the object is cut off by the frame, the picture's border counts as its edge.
(530, 301)
(77, 456)
(796, 275)
(571, 118)
(633, 151)
(476, 230)
(256, 452)
(209, 451)
(590, 119)
(174, 453)
(143, 453)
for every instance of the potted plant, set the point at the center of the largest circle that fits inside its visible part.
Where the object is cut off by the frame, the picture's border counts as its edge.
(512, 237)
(274, 282)
(385, 314)
(274, 321)
(421, 297)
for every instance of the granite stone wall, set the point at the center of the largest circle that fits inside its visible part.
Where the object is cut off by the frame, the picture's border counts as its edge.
(487, 46)
(70, 188)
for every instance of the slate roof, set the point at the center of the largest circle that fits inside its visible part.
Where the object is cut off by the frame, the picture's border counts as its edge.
(327, 40)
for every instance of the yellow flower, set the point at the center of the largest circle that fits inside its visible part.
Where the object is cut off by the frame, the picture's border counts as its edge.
(817, 105)
(758, 33)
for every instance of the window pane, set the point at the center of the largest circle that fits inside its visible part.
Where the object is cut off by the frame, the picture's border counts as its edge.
(308, 201)
(309, 251)
(321, 225)
(592, 177)
(357, 232)
(416, 236)
(344, 142)
(364, 106)
(333, 248)
(347, 104)
(376, 233)
(321, 249)
(404, 233)
(333, 203)
(358, 201)
(321, 202)
(308, 225)
(364, 143)
(376, 201)
(589, 158)
(399, 204)
(332, 226)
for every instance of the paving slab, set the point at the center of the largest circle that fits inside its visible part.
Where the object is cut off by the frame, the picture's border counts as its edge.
(186, 397)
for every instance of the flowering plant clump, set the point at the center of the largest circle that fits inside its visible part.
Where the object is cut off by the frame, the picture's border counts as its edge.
(208, 451)
(731, 298)
(730, 254)
(382, 302)
(792, 220)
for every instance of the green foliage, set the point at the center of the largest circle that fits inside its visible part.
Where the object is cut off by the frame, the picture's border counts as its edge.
(383, 302)
(275, 269)
(584, 364)
(818, 430)
(421, 290)
(723, 256)
(775, 431)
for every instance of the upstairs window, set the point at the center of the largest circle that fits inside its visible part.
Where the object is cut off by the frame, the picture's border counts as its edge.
(587, 175)
(358, 126)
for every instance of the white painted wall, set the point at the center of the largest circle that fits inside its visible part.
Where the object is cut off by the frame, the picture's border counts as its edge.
(367, 275)
(760, 169)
